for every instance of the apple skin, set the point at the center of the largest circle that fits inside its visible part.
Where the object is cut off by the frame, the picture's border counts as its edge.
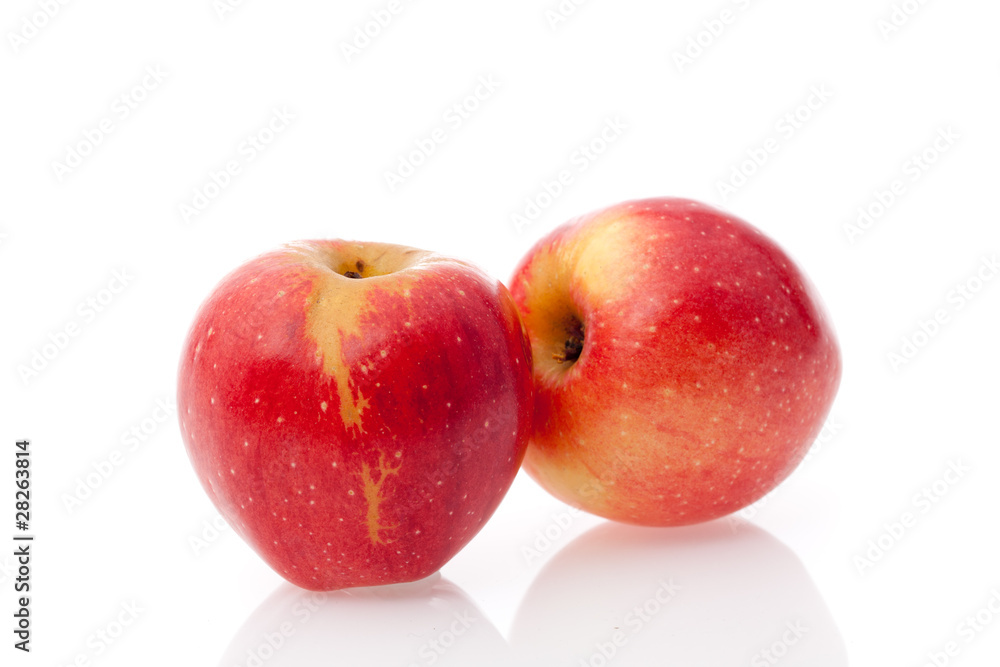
(707, 365)
(356, 431)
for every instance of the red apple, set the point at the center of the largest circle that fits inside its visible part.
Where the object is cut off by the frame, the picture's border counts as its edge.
(683, 364)
(356, 411)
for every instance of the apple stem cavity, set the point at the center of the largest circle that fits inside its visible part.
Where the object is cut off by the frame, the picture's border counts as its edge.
(573, 345)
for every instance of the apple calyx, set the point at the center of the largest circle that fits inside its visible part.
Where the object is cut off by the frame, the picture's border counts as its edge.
(360, 266)
(573, 345)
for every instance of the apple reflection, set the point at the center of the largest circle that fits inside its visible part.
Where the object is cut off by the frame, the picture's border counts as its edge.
(431, 621)
(721, 593)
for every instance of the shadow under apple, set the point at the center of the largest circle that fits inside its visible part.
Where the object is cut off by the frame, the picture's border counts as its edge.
(431, 621)
(721, 593)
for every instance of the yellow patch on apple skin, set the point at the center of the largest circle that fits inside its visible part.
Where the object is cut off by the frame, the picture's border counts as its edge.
(549, 311)
(332, 303)
(605, 259)
(588, 480)
(372, 489)
(337, 303)
(578, 273)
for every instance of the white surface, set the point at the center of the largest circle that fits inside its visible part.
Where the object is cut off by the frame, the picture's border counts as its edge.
(894, 431)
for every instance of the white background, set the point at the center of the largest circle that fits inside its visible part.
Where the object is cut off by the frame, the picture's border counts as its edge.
(895, 430)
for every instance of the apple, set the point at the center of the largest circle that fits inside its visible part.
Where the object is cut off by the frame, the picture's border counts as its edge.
(355, 411)
(683, 364)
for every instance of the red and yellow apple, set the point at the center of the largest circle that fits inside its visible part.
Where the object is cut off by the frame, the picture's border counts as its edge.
(683, 364)
(356, 411)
